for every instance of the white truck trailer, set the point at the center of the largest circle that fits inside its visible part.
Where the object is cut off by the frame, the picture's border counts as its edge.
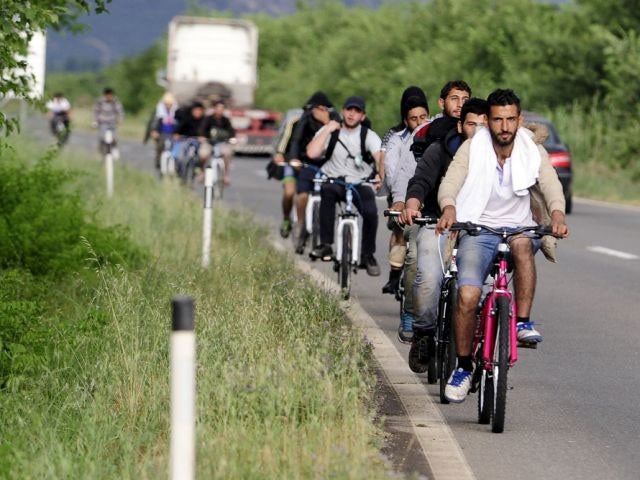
(211, 58)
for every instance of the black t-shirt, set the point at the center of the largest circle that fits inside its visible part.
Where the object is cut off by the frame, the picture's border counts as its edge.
(191, 127)
(218, 128)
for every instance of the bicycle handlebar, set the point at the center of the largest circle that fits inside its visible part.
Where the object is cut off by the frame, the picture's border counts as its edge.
(416, 220)
(474, 229)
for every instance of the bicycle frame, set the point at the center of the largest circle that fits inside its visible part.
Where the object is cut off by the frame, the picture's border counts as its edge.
(314, 198)
(486, 328)
(348, 217)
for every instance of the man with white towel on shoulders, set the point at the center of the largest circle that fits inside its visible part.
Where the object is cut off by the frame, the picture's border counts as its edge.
(503, 179)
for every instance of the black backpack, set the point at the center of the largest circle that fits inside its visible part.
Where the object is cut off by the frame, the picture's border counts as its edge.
(366, 155)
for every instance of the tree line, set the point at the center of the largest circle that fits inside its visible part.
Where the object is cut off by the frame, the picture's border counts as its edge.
(580, 58)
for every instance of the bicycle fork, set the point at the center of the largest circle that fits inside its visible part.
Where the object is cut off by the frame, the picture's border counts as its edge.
(355, 239)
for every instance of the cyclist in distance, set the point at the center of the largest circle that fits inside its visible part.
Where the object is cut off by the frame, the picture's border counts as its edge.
(396, 143)
(342, 146)
(191, 124)
(59, 110)
(421, 200)
(217, 127)
(164, 123)
(107, 115)
(496, 179)
(318, 111)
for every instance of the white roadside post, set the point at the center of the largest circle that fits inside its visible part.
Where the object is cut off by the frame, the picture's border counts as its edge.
(108, 161)
(183, 390)
(207, 222)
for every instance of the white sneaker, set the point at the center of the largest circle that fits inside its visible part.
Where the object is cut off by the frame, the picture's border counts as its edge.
(116, 154)
(458, 386)
(527, 333)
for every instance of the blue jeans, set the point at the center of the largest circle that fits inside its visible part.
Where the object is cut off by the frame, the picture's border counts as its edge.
(476, 254)
(426, 287)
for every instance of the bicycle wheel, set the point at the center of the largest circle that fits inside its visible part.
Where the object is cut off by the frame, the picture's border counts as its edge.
(344, 271)
(501, 354)
(315, 226)
(446, 350)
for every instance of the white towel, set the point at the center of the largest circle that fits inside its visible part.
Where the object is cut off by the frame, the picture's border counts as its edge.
(476, 190)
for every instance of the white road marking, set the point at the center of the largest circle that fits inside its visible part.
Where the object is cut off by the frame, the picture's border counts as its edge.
(613, 253)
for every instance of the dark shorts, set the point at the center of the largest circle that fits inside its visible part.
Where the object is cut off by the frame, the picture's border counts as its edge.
(305, 179)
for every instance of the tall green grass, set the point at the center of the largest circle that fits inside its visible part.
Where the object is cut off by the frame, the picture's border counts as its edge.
(283, 381)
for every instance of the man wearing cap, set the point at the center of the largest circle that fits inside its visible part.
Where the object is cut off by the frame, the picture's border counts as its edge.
(342, 146)
(317, 112)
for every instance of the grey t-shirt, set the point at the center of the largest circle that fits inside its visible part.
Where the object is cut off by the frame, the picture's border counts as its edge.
(353, 169)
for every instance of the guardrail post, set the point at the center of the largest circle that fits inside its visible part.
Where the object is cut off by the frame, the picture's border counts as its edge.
(108, 161)
(183, 390)
(207, 222)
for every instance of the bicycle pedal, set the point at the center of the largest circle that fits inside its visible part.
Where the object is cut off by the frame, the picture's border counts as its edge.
(531, 345)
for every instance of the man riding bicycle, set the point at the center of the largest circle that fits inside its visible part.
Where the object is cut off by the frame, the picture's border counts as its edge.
(496, 179)
(190, 126)
(342, 146)
(317, 112)
(421, 199)
(107, 115)
(217, 127)
(59, 110)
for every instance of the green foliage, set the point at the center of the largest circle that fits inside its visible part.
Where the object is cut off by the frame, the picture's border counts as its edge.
(283, 386)
(42, 224)
(133, 79)
(20, 20)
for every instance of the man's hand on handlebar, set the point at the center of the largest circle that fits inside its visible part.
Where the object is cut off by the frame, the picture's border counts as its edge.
(447, 219)
(558, 225)
(376, 182)
(278, 159)
(410, 210)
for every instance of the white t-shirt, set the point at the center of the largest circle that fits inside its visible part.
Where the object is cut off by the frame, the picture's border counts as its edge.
(341, 164)
(505, 208)
(60, 105)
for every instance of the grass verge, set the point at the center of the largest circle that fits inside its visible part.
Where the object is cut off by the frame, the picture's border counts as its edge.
(283, 383)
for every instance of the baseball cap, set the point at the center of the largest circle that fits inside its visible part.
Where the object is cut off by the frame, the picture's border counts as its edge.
(354, 101)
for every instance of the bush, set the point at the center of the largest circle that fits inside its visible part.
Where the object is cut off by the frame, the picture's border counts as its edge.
(43, 223)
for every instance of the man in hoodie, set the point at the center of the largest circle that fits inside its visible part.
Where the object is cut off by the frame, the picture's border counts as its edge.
(400, 160)
(495, 180)
(318, 111)
(421, 200)
(396, 144)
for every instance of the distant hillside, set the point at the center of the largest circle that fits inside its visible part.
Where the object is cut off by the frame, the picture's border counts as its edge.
(132, 25)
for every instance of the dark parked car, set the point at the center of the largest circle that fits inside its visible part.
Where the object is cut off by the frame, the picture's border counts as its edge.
(559, 155)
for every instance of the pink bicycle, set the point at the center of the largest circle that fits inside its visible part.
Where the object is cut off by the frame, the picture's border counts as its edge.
(495, 341)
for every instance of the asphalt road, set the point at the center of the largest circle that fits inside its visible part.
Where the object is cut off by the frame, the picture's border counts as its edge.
(571, 411)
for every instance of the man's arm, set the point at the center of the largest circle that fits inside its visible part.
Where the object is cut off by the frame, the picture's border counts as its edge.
(553, 194)
(424, 180)
(451, 185)
(229, 128)
(454, 178)
(316, 147)
(296, 137)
